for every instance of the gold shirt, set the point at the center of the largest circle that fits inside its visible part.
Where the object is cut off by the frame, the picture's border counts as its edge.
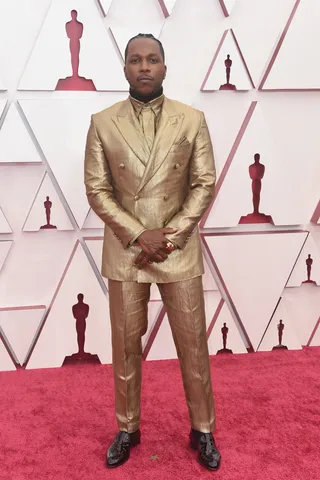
(155, 105)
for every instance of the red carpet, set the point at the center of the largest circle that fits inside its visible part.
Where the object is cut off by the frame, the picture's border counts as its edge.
(56, 424)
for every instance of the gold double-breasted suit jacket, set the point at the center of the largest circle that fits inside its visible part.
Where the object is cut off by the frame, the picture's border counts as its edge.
(131, 189)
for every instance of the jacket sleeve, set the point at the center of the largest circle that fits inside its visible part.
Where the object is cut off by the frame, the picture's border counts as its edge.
(99, 190)
(202, 178)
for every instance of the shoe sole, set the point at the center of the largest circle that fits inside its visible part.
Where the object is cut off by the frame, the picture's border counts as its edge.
(213, 469)
(194, 446)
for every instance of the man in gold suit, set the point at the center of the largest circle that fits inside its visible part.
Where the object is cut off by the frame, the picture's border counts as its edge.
(150, 176)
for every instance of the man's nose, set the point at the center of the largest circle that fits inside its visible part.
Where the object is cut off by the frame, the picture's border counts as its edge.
(144, 66)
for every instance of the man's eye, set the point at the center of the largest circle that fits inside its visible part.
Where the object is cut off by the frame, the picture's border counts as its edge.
(134, 60)
(153, 60)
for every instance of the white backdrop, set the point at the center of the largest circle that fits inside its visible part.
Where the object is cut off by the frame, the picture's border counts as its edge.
(254, 271)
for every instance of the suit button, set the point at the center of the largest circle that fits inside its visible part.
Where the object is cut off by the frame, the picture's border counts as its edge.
(136, 197)
(121, 165)
(177, 165)
(166, 197)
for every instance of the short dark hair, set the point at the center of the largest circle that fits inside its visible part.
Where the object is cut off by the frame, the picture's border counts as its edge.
(144, 35)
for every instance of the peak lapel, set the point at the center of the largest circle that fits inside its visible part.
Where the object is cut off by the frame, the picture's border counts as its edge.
(168, 130)
(129, 127)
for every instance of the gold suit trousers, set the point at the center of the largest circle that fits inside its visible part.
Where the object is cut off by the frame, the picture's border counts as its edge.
(184, 303)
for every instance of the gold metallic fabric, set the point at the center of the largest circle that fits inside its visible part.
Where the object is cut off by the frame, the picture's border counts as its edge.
(184, 302)
(148, 126)
(155, 106)
(132, 189)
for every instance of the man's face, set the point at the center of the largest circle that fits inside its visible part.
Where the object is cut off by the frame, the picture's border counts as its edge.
(144, 68)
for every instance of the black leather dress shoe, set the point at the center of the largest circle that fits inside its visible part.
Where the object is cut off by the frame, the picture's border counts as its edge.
(119, 451)
(208, 454)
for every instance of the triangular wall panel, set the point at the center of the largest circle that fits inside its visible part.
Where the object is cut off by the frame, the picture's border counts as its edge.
(6, 364)
(303, 307)
(154, 293)
(92, 221)
(160, 344)
(39, 259)
(225, 116)
(258, 27)
(5, 246)
(300, 272)
(213, 311)
(196, 29)
(58, 339)
(143, 14)
(95, 245)
(217, 312)
(280, 200)
(227, 56)
(293, 67)
(47, 211)
(234, 340)
(20, 326)
(272, 336)
(246, 264)
(208, 281)
(94, 43)
(227, 212)
(315, 341)
(12, 150)
(25, 180)
(163, 345)
(212, 301)
(4, 225)
(71, 118)
(295, 136)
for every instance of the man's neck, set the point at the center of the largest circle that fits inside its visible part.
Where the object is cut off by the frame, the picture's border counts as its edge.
(145, 98)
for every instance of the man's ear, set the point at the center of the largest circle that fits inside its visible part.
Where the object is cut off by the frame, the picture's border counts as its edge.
(165, 72)
(125, 71)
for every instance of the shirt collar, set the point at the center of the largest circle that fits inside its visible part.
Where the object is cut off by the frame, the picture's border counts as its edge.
(155, 105)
